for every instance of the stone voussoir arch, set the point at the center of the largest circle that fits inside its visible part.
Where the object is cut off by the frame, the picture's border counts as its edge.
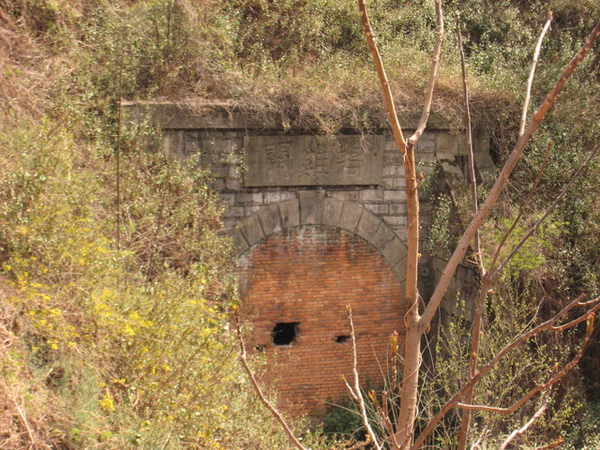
(314, 208)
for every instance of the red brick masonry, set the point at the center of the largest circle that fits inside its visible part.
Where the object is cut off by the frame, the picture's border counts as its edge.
(306, 277)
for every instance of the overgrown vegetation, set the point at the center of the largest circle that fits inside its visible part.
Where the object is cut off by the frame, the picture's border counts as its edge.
(115, 289)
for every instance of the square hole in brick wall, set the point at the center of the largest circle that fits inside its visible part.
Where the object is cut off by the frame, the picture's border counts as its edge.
(284, 333)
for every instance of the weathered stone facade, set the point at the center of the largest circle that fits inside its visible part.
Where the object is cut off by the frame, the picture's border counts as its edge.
(318, 223)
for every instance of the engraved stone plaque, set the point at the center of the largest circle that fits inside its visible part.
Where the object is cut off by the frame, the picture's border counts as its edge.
(313, 160)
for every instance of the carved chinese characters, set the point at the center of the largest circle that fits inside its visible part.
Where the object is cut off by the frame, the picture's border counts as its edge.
(312, 160)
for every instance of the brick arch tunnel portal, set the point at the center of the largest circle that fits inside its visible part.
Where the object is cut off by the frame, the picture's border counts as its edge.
(295, 284)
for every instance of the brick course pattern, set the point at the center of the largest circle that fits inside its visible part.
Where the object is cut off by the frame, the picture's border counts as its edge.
(306, 276)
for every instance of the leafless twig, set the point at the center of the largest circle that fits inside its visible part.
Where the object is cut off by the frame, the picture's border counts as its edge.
(536, 57)
(259, 392)
(22, 414)
(530, 422)
(591, 307)
(355, 391)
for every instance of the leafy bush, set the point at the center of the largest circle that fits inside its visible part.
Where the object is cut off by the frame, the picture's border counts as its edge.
(125, 329)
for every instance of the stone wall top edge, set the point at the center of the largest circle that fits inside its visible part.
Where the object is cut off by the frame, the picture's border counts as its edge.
(228, 116)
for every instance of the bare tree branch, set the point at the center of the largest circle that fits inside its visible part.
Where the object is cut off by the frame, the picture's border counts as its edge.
(480, 303)
(530, 422)
(356, 392)
(541, 387)
(433, 69)
(383, 79)
(501, 181)
(555, 444)
(516, 342)
(22, 416)
(522, 209)
(536, 57)
(551, 208)
(259, 392)
(468, 126)
(412, 343)
(478, 314)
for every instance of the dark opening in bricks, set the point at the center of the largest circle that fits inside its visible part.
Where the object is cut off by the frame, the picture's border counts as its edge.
(342, 338)
(284, 333)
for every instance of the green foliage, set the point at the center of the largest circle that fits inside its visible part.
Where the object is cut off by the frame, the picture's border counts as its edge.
(440, 235)
(122, 306)
(344, 419)
(127, 329)
(584, 433)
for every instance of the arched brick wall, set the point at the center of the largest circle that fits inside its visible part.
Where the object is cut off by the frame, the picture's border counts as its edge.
(315, 208)
(303, 261)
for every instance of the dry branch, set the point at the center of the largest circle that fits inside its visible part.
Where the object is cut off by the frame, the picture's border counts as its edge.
(501, 181)
(525, 427)
(383, 80)
(356, 392)
(591, 306)
(433, 69)
(548, 211)
(536, 57)
(259, 392)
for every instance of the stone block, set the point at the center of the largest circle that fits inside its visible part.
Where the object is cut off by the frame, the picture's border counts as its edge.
(270, 220)
(235, 211)
(394, 196)
(400, 270)
(397, 221)
(446, 143)
(249, 198)
(393, 170)
(272, 197)
(395, 251)
(251, 209)
(252, 230)
(398, 209)
(371, 195)
(227, 198)
(351, 214)
(219, 171)
(217, 184)
(311, 207)
(382, 237)
(233, 171)
(368, 225)
(379, 209)
(230, 222)
(289, 212)
(233, 184)
(239, 242)
(332, 212)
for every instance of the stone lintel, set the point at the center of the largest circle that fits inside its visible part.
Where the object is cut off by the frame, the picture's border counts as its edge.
(310, 160)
